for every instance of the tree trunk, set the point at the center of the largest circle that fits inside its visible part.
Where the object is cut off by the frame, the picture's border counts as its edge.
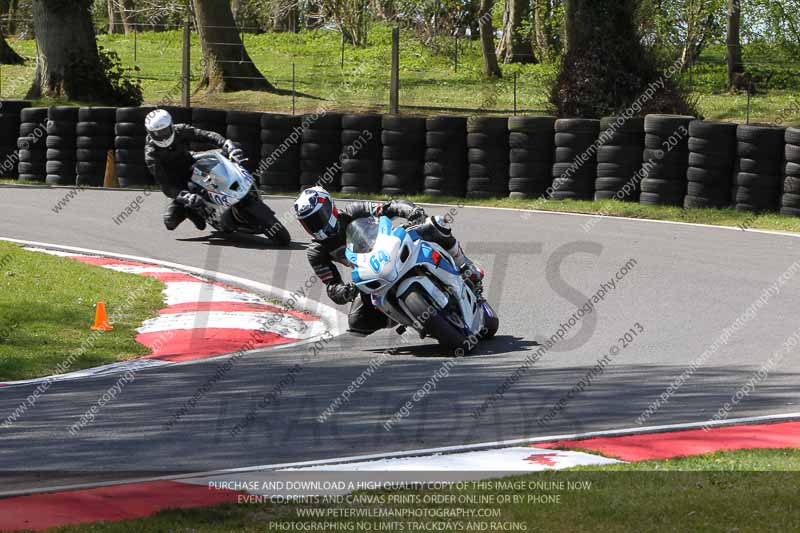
(490, 67)
(228, 65)
(515, 45)
(114, 22)
(67, 64)
(285, 17)
(543, 39)
(606, 68)
(7, 54)
(127, 14)
(735, 67)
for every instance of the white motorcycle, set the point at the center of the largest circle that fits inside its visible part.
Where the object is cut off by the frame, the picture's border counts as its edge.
(223, 184)
(417, 285)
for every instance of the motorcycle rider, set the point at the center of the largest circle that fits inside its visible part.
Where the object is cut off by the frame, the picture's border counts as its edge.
(317, 213)
(169, 160)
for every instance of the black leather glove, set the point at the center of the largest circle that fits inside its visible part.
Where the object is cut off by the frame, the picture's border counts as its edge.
(233, 152)
(417, 216)
(190, 200)
(342, 293)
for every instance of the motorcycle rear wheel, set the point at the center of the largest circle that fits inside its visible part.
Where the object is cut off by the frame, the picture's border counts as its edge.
(433, 323)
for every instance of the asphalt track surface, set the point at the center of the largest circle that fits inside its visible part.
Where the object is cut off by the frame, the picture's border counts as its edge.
(687, 285)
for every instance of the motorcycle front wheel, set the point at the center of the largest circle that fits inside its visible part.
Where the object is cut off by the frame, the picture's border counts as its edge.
(433, 324)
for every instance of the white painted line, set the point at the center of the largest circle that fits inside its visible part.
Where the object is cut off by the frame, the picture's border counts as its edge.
(514, 459)
(783, 417)
(589, 215)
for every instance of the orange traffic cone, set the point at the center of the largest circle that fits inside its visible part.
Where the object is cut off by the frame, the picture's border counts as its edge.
(101, 318)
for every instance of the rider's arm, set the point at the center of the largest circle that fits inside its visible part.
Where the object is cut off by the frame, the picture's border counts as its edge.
(326, 271)
(391, 209)
(159, 173)
(203, 136)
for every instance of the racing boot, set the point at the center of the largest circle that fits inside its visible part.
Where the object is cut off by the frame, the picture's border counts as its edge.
(197, 219)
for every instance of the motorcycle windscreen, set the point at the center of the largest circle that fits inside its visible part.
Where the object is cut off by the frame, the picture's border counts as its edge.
(362, 234)
(224, 183)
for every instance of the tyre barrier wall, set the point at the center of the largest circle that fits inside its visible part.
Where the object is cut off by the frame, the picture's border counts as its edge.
(487, 155)
(531, 148)
(712, 160)
(445, 168)
(619, 158)
(759, 179)
(95, 137)
(31, 144)
(683, 161)
(402, 154)
(666, 150)
(129, 146)
(244, 128)
(320, 151)
(280, 153)
(210, 120)
(575, 160)
(9, 135)
(790, 201)
(361, 153)
(61, 142)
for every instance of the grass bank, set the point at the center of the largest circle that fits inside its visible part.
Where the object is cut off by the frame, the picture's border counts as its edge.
(47, 306)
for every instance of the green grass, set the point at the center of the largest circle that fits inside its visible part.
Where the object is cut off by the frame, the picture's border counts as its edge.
(749, 490)
(429, 82)
(47, 306)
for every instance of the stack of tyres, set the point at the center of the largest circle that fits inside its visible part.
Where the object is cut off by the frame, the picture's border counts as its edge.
(619, 158)
(180, 115)
(95, 131)
(9, 134)
(280, 153)
(790, 202)
(61, 145)
(760, 167)
(244, 128)
(487, 154)
(208, 120)
(361, 153)
(575, 166)
(445, 166)
(712, 159)
(320, 151)
(665, 159)
(129, 144)
(530, 142)
(403, 140)
(31, 144)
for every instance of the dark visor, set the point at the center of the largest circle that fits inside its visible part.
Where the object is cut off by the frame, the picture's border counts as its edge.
(161, 135)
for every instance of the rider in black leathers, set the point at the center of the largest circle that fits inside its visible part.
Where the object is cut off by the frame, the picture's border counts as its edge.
(329, 244)
(168, 157)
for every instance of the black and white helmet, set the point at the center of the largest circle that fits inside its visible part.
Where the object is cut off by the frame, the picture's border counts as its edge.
(160, 128)
(317, 213)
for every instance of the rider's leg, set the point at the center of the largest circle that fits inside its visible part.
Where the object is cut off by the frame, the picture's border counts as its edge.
(364, 319)
(227, 222)
(437, 229)
(174, 215)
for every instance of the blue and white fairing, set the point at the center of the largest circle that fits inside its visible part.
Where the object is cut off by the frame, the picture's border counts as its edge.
(388, 261)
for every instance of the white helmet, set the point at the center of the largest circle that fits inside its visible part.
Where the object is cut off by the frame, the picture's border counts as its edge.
(159, 127)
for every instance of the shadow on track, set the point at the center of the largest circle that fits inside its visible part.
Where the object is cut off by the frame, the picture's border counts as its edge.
(240, 240)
